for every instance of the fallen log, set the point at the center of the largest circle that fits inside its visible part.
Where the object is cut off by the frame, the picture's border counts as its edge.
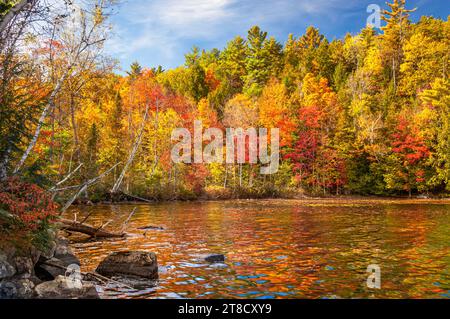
(86, 229)
(139, 198)
(120, 197)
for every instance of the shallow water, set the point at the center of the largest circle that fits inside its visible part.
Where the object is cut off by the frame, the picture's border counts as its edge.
(282, 248)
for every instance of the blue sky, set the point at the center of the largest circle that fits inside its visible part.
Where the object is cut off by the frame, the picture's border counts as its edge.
(160, 32)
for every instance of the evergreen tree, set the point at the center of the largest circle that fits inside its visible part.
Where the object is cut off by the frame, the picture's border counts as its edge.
(396, 31)
(232, 64)
(196, 76)
(438, 98)
(135, 71)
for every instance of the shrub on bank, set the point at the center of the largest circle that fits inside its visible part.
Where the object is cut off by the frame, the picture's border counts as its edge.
(26, 214)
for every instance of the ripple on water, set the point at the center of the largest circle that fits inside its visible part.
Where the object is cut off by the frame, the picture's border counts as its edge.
(282, 249)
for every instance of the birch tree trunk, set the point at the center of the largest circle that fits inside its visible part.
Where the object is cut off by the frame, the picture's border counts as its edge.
(226, 176)
(132, 154)
(74, 128)
(240, 175)
(50, 105)
(4, 164)
(13, 12)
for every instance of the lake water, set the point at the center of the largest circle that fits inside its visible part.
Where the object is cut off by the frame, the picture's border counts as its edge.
(282, 248)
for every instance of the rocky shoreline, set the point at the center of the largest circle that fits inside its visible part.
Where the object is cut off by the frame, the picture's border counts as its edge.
(28, 274)
(55, 273)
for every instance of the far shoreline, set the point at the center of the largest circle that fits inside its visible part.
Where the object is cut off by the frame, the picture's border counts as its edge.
(341, 199)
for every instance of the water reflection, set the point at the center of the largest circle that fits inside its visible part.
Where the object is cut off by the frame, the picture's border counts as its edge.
(282, 249)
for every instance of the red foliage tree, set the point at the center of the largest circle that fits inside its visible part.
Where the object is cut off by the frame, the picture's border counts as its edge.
(28, 202)
(410, 153)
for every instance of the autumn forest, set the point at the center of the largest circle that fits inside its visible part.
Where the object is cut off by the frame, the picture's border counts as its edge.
(367, 114)
(362, 179)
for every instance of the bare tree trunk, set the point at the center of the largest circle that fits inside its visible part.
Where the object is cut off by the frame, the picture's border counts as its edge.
(50, 105)
(74, 127)
(226, 177)
(52, 143)
(4, 164)
(393, 74)
(3, 171)
(156, 132)
(65, 179)
(132, 154)
(240, 175)
(13, 12)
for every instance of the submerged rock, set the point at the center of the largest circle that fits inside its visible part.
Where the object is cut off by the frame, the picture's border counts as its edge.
(218, 266)
(215, 258)
(151, 228)
(65, 288)
(129, 263)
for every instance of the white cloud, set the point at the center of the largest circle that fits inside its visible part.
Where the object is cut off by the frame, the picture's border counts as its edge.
(195, 11)
(162, 27)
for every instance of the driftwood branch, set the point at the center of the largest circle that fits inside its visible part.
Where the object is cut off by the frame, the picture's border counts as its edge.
(86, 218)
(65, 179)
(98, 232)
(85, 186)
(57, 190)
(103, 225)
(125, 224)
(139, 198)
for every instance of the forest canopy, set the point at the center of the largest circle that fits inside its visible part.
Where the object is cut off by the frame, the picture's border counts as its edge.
(366, 114)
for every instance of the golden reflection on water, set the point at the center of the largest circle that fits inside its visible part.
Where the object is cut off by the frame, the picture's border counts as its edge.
(282, 248)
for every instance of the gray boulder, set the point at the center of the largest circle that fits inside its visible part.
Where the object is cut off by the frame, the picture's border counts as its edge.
(16, 288)
(24, 265)
(129, 263)
(65, 288)
(8, 290)
(50, 251)
(62, 247)
(6, 269)
(64, 253)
